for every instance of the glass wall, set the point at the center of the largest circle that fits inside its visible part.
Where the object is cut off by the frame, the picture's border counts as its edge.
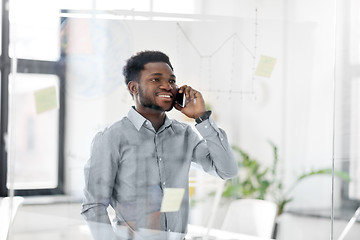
(35, 101)
(281, 80)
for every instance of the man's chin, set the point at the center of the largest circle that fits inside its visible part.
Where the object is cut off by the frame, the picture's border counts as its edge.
(159, 108)
(168, 110)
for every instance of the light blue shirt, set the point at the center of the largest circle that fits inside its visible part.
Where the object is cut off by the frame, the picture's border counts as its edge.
(131, 164)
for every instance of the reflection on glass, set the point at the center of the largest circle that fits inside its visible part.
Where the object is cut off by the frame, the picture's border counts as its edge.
(292, 106)
(133, 5)
(347, 110)
(33, 136)
(354, 186)
(140, 165)
(182, 6)
(35, 26)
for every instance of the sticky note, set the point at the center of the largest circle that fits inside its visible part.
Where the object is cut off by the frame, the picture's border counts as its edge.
(265, 67)
(172, 199)
(45, 99)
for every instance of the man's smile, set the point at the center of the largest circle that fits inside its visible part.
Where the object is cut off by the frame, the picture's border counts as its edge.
(165, 95)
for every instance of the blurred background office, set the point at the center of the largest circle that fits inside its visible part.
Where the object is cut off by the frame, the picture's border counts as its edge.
(282, 77)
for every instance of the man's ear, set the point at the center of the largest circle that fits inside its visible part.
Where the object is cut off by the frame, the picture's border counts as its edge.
(133, 87)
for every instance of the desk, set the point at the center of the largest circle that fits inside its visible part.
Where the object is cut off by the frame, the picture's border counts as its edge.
(198, 233)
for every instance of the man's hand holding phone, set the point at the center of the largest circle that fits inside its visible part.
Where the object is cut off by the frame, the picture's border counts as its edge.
(194, 103)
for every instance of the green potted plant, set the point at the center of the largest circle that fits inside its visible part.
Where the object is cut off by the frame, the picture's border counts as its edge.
(259, 182)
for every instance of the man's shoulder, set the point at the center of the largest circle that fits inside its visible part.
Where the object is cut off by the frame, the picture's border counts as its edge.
(180, 126)
(124, 122)
(116, 127)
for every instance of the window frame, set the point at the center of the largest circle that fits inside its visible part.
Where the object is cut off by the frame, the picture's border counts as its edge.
(28, 66)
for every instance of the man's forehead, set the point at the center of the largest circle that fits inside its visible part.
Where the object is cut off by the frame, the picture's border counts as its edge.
(158, 68)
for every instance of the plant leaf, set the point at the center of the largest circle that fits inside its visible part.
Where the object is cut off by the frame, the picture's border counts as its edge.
(327, 171)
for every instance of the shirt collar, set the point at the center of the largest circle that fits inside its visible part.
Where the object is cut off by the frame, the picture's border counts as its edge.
(138, 120)
(167, 123)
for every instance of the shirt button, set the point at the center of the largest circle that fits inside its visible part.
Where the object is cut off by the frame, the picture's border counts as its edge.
(169, 230)
(206, 126)
(221, 139)
(160, 159)
(164, 183)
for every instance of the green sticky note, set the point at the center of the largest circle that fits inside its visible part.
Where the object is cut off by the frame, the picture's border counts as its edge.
(265, 67)
(172, 199)
(45, 99)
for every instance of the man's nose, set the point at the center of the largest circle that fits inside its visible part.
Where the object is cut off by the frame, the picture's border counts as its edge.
(166, 85)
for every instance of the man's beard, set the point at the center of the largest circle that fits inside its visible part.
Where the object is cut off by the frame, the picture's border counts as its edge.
(148, 103)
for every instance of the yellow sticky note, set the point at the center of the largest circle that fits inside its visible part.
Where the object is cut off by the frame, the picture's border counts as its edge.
(45, 99)
(172, 199)
(265, 67)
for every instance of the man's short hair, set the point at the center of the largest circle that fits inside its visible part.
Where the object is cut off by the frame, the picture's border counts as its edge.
(135, 64)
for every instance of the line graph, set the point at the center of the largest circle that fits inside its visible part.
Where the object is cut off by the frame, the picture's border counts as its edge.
(238, 50)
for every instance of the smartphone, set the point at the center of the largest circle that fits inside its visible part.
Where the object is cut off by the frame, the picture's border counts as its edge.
(180, 99)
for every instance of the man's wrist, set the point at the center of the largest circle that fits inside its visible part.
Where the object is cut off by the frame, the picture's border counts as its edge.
(203, 117)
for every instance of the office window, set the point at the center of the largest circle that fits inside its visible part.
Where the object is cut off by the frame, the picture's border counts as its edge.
(134, 5)
(34, 31)
(34, 137)
(179, 6)
(186, 6)
(32, 99)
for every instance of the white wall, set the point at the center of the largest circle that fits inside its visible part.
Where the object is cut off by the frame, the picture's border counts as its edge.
(308, 111)
(292, 108)
(205, 55)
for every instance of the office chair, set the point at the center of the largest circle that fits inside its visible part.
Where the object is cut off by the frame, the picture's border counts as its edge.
(251, 216)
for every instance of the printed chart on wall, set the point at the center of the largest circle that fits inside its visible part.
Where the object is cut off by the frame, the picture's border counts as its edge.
(220, 58)
(226, 56)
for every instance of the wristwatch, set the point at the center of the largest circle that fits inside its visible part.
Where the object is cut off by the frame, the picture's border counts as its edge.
(203, 117)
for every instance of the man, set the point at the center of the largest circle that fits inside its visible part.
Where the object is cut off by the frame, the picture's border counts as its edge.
(135, 159)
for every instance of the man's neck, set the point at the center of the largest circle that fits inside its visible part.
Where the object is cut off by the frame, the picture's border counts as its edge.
(156, 118)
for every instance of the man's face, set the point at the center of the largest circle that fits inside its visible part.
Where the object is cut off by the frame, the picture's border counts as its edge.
(157, 87)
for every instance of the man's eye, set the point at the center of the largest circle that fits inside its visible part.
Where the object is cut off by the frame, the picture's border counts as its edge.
(172, 81)
(155, 80)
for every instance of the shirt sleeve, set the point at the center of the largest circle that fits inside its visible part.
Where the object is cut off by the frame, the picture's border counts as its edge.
(214, 153)
(100, 173)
